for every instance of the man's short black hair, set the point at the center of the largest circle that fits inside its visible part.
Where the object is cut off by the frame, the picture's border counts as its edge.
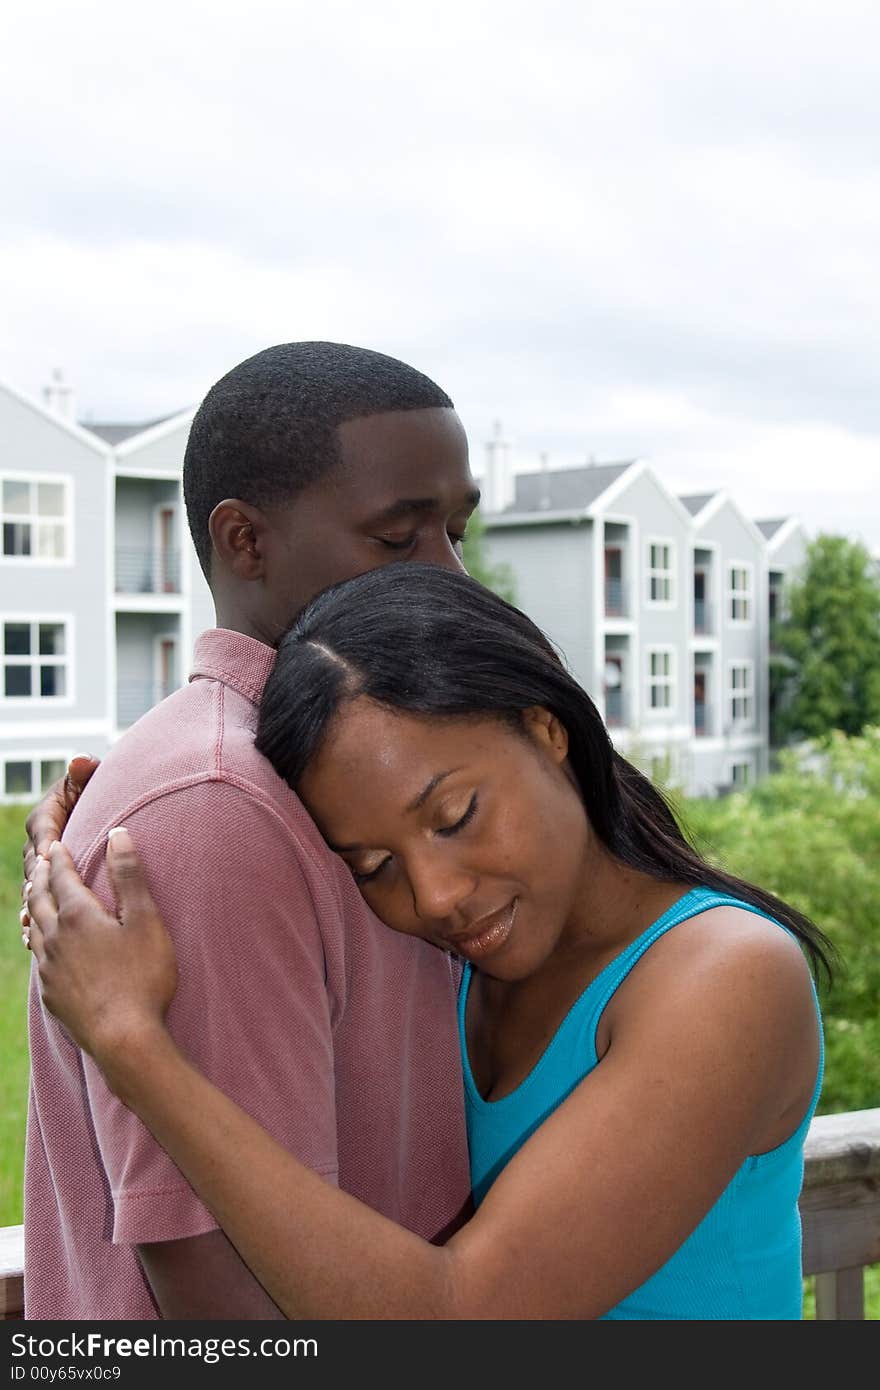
(267, 429)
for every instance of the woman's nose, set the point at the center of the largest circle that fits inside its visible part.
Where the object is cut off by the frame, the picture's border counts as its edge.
(439, 887)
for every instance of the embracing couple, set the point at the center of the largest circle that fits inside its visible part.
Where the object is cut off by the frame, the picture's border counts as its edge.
(397, 992)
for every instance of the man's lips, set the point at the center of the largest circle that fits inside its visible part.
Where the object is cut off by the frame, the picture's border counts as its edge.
(485, 935)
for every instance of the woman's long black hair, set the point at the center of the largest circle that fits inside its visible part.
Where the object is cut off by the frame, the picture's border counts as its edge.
(432, 641)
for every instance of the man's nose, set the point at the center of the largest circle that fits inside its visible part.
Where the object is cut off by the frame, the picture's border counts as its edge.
(440, 550)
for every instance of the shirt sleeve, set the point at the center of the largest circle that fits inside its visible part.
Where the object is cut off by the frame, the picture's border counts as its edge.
(237, 892)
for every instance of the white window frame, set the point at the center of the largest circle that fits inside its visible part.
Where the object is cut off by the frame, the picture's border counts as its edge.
(668, 681)
(746, 692)
(652, 572)
(27, 755)
(32, 518)
(740, 762)
(34, 659)
(746, 595)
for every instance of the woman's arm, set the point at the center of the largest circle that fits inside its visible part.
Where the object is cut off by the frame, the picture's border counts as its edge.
(601, 1195)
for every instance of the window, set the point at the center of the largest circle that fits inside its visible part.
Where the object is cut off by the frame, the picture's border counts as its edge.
(35, 517)
(661, 674)
(36, 657)
(741, 774)
(661, 564)
(741, 692)
(740, 594)
(25, 778)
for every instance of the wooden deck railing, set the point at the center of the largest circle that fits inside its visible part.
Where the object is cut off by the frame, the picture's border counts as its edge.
(840, 1206)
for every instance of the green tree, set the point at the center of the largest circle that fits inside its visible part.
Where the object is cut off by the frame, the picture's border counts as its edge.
(826, 672)
(811, 834)
(497, 577)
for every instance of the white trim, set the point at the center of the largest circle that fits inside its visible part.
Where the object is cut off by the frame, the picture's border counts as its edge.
(68, 660)
(721, 499)
(499, 521)
(640, 468)
(668, 681)
(32, 756)
(154, 433)
(708, 509)
(750, 593)
(148, 603)
(784, 533)
(730, 724)
(33, 479)
(651, 571)
(729, 764)
(84, 436)
(153, 475)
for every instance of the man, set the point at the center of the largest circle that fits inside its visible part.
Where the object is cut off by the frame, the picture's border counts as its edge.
(306, 464)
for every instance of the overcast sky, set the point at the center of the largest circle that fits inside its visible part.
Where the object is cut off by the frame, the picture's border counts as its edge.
(622, 229)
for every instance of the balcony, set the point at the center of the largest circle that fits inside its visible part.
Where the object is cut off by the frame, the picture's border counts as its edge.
(134, 698)
(704, 617)
(147, 570)
(702, 720)
(616, 707)
(839, 1202)
(615, 599)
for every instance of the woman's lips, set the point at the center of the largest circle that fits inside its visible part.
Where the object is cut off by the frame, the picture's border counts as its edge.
(488, 935)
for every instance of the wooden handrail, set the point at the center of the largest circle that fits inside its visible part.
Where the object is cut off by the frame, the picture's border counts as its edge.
(840, 1207)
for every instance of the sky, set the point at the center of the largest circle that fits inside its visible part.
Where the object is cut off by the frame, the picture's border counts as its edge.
(622, 230)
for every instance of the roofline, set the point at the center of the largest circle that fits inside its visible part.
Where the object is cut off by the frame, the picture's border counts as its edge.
(711, 502)
(495, 520)
(784, 532)
(723, 498)
(155, 432)
(639, 468)
(84, 436)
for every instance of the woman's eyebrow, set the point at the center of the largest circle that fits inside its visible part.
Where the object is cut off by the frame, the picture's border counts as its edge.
(426, 791)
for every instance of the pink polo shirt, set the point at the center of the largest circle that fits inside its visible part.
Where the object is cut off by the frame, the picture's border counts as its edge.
(335, 1033)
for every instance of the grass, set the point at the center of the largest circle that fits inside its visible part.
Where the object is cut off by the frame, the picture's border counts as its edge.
(14, 971)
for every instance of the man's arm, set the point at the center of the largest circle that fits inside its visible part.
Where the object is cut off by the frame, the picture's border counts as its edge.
(204, 1278)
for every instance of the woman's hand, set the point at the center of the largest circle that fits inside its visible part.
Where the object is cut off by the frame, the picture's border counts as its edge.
(47, 821)
(108, 979)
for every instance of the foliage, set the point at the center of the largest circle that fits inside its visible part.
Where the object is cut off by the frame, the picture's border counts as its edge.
(811, 834)
(497, 577)
(826, 667)
(14, 973)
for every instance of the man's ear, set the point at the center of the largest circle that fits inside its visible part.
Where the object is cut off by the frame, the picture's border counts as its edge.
(547, 731)
(238, 533)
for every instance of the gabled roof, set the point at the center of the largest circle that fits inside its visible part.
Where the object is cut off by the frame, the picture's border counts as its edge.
(768, 529)
(76, 431)
(564, 489)
(115, 433)
(696, 501)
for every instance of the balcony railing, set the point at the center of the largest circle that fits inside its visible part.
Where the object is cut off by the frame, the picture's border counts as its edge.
(840, 1210)
(703, 617)
(615, 599)
(147, 570)
(616, 705)
(702, 721)
(134, 698)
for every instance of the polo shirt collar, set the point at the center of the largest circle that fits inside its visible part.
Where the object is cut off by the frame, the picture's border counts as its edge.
(233, 658)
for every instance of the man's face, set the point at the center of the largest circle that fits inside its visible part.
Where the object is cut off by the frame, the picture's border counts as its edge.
(402, 490)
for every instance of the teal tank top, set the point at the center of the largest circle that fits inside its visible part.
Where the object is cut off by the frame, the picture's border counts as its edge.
(743, 1261)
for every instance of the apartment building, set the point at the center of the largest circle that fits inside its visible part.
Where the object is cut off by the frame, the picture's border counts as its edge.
(657, 603)
(101, 594)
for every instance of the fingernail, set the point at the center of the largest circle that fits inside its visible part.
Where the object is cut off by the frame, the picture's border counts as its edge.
(25, 940)
(24, 917)
(27, 887)
(117, 830)
(56, 844)
(91, 757)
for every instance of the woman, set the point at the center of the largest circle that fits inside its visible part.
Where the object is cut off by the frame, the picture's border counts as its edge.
(641, 1037)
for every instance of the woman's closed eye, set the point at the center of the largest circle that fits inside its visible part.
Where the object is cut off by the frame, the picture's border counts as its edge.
(462, 820)
(366, 875)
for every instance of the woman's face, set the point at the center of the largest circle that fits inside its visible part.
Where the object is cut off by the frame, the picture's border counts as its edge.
(469, 834)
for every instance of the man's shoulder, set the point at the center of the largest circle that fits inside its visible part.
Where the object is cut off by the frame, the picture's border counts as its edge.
(192, 756)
